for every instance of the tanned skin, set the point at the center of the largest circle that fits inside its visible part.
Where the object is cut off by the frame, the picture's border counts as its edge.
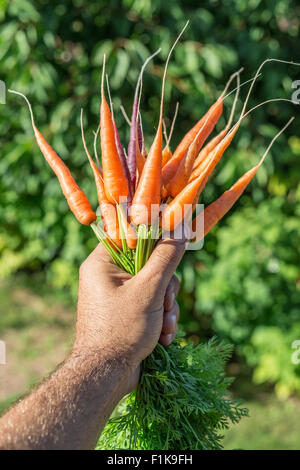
(120, 319)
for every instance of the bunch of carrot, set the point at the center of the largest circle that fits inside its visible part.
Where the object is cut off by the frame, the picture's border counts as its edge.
(144, 195)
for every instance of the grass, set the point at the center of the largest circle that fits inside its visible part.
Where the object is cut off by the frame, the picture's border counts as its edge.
(37, 327)
(37, 330)
(272, 425)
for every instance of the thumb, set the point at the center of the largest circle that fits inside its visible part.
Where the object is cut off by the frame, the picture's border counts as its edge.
(162, 263)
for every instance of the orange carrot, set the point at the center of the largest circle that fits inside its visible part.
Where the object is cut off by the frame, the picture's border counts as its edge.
(204, 170)
(119, 145)
(115, 181)
(210, 118)
(144, 151)
(173, 213)
(201, 130)
(107, 209)
(126, 230)
(216, 211)
(208, 165)
(217, 139)
(166, 155)
(185, 167)
(180, 207)
(147, 198)
(77, 200)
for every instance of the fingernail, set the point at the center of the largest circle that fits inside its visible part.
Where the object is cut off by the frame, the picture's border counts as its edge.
(172, 298)
(169, 338)
(174, 321)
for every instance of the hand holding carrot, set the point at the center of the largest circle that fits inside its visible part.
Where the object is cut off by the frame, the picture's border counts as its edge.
(126, 314)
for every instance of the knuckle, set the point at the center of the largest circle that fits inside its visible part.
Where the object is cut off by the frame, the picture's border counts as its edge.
(163, 258)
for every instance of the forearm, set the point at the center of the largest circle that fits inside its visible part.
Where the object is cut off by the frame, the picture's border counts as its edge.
(71, 408)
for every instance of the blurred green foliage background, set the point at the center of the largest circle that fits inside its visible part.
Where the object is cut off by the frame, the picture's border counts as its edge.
(244, 285)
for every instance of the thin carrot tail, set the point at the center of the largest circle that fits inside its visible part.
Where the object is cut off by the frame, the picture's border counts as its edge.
(95, 150)
(208, 165)
(135, 134)
(147, 198)
(211, 145)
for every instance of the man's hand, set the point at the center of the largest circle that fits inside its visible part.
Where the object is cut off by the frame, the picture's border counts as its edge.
(120, 320)
(124, 314)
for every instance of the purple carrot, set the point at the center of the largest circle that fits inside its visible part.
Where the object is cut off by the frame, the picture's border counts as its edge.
(140, 127)
(140, 133)
(119, 146)
(131, 159)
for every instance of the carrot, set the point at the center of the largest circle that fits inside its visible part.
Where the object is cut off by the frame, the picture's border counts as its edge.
(110, 222)
(147, 198)
(217, 139)
(208, 165)
(216, 211)
(109, 212)
(134, 133)
(184, 169)
(119, 145)
(180, 206)
(206, 125)
(77, 200)
(174, 212)
(107, 209)
(140, 133)
(213, 114)
(167, 154)
(115, 181)
(127, 232)
(204, 170)
(143, 148)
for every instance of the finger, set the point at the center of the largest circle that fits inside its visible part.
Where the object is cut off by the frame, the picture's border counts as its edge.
(166, 340)
(161, 265)
(171, 292)
(169, 295)
(176, 284)
(170, 320)
(101, 254)
(99, 262)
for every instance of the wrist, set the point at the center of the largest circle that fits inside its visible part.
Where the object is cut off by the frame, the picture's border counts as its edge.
(101, 362)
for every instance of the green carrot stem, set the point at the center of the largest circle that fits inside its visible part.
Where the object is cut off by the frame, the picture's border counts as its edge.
(121, 228)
